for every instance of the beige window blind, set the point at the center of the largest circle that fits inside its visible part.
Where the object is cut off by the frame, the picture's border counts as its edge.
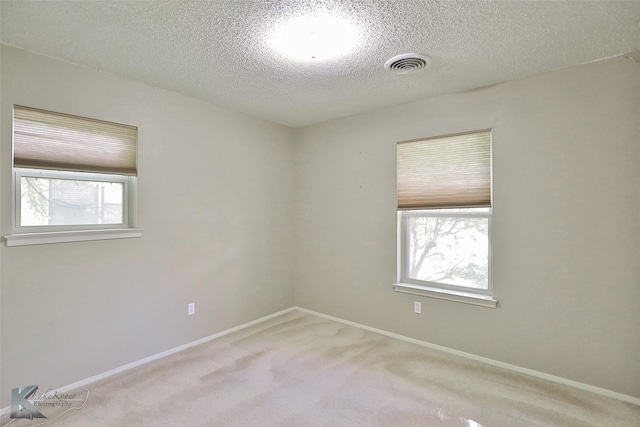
(452, 171)
(47, 140)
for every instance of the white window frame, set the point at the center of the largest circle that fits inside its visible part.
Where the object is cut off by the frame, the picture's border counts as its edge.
(481, 297)
(44, 234)
(19, 173)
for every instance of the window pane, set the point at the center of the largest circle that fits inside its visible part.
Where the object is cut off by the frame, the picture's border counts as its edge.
(449, 250)
(48, 201)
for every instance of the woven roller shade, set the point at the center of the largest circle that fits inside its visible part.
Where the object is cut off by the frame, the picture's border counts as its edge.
(48, 140)
(445, 172)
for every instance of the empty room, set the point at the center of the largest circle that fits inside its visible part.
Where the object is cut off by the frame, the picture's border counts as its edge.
(320, 213)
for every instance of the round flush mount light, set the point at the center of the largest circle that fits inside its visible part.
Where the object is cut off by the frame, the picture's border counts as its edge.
(318, 38)
(407, 63)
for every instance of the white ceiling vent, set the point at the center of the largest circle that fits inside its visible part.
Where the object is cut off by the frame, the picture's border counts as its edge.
(407, 63)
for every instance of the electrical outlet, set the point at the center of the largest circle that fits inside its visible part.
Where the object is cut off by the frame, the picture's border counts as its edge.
(191, 309)
(417, 307)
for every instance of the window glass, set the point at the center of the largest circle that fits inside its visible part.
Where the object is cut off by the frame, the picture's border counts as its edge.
(448, 250)
(47, 201)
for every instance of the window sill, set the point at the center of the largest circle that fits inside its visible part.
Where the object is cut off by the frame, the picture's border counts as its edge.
(446, 294)
(42, 238)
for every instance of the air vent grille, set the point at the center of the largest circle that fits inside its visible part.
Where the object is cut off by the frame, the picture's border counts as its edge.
(407, 63)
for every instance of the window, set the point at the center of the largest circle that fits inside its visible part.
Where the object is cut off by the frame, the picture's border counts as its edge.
(74, 178)
(444, 217)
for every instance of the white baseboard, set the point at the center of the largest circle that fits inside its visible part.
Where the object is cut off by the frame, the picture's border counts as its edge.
(515, 368)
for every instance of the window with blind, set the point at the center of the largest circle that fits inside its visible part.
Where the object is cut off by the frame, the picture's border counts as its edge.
(444, 216)
(72, 173)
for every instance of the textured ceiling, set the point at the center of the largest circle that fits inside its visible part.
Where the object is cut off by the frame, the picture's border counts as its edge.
(219, 50)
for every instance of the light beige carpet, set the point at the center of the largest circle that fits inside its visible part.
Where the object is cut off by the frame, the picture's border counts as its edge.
(302, 370)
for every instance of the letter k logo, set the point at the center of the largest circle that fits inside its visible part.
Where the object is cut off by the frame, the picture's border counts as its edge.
(19, 401)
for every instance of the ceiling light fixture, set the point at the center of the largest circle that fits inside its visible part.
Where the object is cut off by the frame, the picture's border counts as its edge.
(318, 38)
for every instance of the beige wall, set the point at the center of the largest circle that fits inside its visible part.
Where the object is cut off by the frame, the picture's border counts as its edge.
(566, 225)
(215, 199)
